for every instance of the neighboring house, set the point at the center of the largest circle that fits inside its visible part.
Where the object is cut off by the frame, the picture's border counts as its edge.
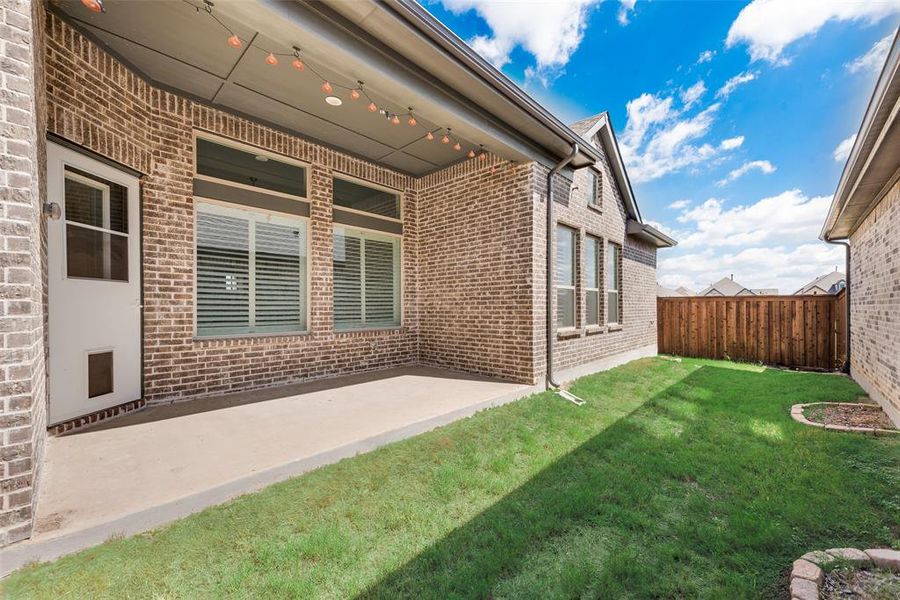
(828, 284)
(727, 286)
(865, 216)
(679, 292)
(202, 199)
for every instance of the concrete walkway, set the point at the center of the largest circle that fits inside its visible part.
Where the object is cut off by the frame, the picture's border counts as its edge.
(151, 467)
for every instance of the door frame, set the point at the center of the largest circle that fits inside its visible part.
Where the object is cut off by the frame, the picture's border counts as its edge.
(88, 153)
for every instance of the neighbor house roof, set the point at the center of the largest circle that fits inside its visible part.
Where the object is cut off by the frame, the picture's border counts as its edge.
(725, 287)
(684, 291)
(829, 283)
(664, 292)
(599, 126)
(872, 167)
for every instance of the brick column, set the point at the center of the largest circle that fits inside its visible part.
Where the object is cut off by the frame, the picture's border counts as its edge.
(23, 402)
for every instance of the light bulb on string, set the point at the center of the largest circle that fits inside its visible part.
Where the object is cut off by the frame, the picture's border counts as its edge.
(271, 60)
(457, 147)
(326, 88)
(234, 41)
(94, 5)
(429, 136)
(471, 154)
(373, 107)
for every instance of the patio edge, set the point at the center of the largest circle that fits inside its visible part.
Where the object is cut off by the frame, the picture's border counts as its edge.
(18, 555)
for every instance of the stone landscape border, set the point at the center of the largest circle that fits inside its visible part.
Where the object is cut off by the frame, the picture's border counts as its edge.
(797, 415)
(807, 574)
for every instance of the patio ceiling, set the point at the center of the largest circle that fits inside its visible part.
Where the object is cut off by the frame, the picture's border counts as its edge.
(179, 45)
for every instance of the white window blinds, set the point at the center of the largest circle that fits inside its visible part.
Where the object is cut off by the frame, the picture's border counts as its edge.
(251, 271)
(366, 280)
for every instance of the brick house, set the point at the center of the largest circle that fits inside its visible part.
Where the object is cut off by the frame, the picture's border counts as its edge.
(865, 217)
(194, 203)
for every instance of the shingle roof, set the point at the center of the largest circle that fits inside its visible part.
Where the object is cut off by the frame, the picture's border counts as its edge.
(583, 126)
(723, 287)
(828, 283)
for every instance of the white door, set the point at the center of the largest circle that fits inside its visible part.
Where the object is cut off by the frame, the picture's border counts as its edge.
(94, 292)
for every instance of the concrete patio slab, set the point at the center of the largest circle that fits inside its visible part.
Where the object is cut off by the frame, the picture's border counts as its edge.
(164, 462)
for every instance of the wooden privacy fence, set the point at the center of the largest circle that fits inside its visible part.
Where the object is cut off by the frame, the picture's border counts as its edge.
(792, 331)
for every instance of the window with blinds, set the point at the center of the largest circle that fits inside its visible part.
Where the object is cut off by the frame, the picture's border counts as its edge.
(366, 280)
(565, 276)
(613, 283)
(251, 271)
(592, 251)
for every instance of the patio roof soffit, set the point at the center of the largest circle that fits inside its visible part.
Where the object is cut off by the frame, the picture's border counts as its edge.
(182, 46)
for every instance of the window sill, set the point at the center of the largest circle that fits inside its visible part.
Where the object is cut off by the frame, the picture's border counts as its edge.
(595, 207)
(614, 327)
(364, 331)
(594, 329)
(250, 336)
(568, 332)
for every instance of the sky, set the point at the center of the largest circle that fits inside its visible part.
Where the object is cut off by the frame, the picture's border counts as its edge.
(735, 119)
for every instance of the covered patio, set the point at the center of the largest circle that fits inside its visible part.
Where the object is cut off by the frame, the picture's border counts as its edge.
(150, 467)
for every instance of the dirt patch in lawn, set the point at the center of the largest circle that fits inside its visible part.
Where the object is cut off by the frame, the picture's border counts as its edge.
(847, 582)
(849, 415)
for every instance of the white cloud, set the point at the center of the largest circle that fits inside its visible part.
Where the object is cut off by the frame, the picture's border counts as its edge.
(769, 26)
(550, 31)
(680, 204)
(705, 56)
(732, 143)
(734, 82)
(787, 218)
(763, 166)
(625, 8)
(842, 152)
(692, 94)
(874, 59)
(785, 267)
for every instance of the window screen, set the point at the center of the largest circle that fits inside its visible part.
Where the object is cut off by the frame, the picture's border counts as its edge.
(366, 280)
(592, 250)
(613, 282)
(251, 271)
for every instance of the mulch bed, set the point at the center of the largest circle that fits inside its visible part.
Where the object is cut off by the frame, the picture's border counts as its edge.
(859, 415)
(848, 582)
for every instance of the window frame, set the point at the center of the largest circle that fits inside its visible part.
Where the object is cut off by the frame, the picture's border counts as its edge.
(614, 248)
(231, 206)
(574, 286)
(223, 141)
(372, 234)
(374, 186)
(597, 242)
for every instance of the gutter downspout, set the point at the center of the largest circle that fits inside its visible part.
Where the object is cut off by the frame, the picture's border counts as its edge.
(846, 366)
(549, 382)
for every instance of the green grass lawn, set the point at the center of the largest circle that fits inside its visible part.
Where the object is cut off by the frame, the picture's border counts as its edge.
(674, 480)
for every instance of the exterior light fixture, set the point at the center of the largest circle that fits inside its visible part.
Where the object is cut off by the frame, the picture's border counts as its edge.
(261, 158)
(333, 100)
(297, 63)
(94, 5)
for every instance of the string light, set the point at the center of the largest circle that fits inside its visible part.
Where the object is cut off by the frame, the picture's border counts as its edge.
(356, 92)
(94, 5)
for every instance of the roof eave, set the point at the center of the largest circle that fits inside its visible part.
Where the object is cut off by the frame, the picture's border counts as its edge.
(649, 234)
(443, 38)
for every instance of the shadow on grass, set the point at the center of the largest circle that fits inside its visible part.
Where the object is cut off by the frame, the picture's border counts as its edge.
(708, 489)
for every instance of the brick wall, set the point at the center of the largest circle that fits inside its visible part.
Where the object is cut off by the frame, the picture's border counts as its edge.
(638, 267)
(22, 277)
(875, 303)
(475, 269)
(98, 103)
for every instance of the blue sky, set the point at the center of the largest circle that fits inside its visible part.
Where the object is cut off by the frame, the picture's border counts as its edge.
(731, 115)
